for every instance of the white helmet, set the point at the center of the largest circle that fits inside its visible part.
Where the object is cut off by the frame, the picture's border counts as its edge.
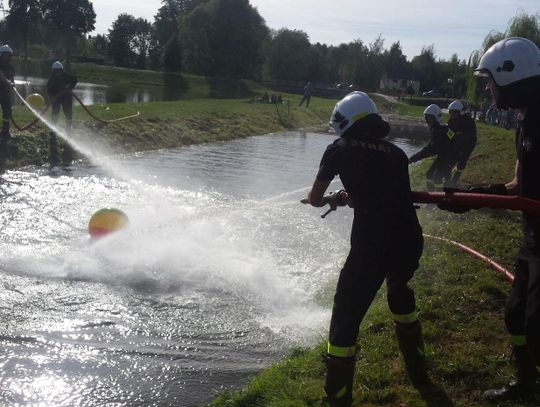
(6, 49)
(57, 65)
(353, 107)
(510, 60)
(434, 110)
(457, 105)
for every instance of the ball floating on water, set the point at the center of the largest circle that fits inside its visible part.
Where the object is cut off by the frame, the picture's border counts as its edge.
(106, 221)
(35, 100)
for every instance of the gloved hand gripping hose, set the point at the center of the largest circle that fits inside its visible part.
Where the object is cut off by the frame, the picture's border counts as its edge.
(334, 199)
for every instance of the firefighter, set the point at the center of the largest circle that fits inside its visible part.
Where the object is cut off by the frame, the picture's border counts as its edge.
(59, 88)
(386, 240)
(440, 145)
(512, 68)
(464, 129)
(7, 79)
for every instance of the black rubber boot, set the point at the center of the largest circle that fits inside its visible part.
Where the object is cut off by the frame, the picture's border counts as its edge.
(339, 381)
(526, 386)
(411, 345)
(5, 135)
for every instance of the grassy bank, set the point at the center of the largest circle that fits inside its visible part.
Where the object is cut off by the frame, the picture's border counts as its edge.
(169, 125)
(461, 304)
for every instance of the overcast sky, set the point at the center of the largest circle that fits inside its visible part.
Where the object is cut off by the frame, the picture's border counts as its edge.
(457, 26)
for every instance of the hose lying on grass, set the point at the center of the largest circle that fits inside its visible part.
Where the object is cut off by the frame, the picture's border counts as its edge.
(44, 110)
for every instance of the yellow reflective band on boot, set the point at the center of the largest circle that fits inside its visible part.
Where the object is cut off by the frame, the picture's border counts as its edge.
(340, 351)
(518, 340)
(406, 318)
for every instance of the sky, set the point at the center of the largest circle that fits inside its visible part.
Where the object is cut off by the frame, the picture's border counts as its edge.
(457, 26)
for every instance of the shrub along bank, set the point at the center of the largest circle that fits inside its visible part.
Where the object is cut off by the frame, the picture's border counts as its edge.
(460, 302)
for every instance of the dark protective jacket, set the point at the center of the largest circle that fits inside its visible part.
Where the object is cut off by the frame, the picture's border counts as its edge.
(464, 139)
(441, 144)
(58, 83)
(9, 74)
(386, 238)
(375, 174)
(528, 153)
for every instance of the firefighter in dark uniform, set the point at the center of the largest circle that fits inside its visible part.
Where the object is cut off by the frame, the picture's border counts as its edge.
(464, 129)
(7, 79)
(386, 239)
(440, 145)
(59, 88)
(512, 67)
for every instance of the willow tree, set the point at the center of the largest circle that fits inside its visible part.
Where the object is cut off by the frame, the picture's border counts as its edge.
(70, 19)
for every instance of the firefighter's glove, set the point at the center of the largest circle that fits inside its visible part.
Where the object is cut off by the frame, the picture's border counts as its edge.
(335, 199)
(493, 189)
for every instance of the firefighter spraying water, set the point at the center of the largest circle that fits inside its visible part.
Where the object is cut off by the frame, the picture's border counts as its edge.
(386, 240)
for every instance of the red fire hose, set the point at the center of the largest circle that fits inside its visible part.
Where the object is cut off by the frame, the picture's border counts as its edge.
(494, 265)
(475, 201)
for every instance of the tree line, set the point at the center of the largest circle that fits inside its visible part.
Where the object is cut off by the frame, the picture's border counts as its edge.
(230, 39)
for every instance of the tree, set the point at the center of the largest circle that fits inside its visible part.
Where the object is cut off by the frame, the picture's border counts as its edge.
(166, 20)
(71, 19)
(129, 41)
(427, 69)
(23, 18)
(394, 58)
(100, 43)
(140, 41)
(526, 26)
(224, 38)
(172, 55)
(288, 56)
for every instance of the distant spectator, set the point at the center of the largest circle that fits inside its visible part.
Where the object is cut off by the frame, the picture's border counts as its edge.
(308, 91)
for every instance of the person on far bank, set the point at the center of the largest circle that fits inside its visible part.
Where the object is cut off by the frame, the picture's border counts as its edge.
(308, 91)
(464, 128)
(386, 240)
(7, 80)
(512, 68)
(59, 90)
(441, 145)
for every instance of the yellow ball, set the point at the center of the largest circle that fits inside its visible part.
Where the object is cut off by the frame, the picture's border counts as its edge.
(106, 221)
(35, 100)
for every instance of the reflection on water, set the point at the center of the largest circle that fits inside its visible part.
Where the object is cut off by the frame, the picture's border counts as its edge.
(94, 94)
